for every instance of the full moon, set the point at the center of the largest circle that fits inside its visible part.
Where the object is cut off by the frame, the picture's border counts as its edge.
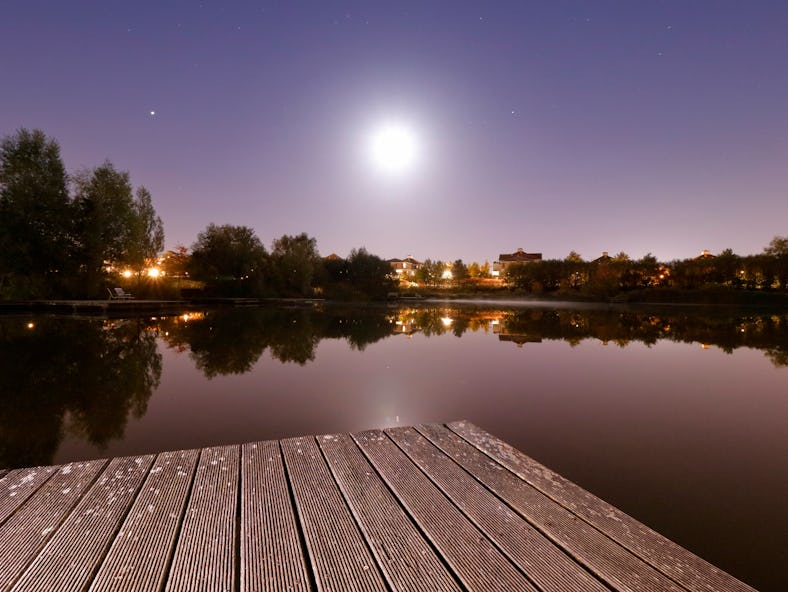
(394, 148)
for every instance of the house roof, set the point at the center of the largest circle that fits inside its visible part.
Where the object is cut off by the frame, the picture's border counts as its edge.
(520, 255)
(406, 260)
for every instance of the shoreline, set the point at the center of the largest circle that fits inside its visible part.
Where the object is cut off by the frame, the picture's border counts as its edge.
(707, 300)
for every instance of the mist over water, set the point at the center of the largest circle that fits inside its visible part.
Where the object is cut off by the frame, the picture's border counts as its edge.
(677, 418)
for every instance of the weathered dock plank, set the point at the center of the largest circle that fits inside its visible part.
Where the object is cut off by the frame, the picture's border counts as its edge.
(681, 565)
(338, 553)
(71, 557)
(271, 555)
(452, 534)
(28, 530)
(406, 559)
(205, 557)
(18, 485)
(546, 564)
(139, 556)
(430, 508)
(605, 558)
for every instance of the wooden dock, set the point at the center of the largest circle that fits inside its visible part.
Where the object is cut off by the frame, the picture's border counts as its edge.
(443, 508)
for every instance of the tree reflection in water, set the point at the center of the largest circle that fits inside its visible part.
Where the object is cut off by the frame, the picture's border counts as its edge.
(89, 376)
(230, 341)
(85, 376)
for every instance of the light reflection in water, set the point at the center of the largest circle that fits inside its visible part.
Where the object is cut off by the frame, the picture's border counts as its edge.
(677, 418)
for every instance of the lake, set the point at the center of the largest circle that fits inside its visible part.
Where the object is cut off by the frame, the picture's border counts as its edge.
(678, 418)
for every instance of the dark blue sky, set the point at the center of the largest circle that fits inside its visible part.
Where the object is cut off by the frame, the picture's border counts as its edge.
(655, 127)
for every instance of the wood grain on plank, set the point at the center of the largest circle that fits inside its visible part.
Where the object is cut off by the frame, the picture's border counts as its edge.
(472, 557)
(271, 555)
(139, 556)
(545, 563)
(684, 567)
(405, 557)
(70, 559)
(18, 485)
(608, 560)
(205, 557)
(339, 556)
(26, 532)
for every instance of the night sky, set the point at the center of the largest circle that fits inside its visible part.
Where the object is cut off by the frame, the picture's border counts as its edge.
(553, 126)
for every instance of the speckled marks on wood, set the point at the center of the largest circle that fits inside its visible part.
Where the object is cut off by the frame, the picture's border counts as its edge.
(405, 557)
(71, 557)
(685, 568)
(338, 554)
(426, 508)
(205, 557)
(139, 557)
(271, 556)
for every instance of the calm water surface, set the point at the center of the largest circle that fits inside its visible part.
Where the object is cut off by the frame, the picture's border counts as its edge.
(677, 418)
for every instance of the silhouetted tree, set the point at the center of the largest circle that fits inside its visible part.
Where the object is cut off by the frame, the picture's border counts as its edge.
(105, 222)
(459, 271)
(35, 243)
(230, 259)
(293, 262)
(147, 233)
(369, 275)
(777, 250)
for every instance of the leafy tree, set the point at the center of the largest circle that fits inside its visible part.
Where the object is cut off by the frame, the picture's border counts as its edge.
(176, 261)
(147, 236)
(230, 259)
(726, 269)
(34, 213)
(777, 247)
(423, 274)
(575, 271)
(473, 270)
(369, 275)
(459, 271)
(777, 250)
(484, 270)
(294, 261)
(520, 276)
(106, 221)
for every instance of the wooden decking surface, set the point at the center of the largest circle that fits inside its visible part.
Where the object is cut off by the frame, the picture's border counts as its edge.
(443, 508)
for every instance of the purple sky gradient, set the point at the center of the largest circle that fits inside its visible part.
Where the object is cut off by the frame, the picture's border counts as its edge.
(655, 127)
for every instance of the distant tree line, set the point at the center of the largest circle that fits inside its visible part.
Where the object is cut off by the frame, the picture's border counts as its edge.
(437, 273)
(60, 233)
(72, 235)
(232, 261)
(75, 235)
(608, 276)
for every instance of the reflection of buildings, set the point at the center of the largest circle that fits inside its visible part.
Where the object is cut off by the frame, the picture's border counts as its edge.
(507, 259)
(407, 326)
(404, 322)
(501, 330)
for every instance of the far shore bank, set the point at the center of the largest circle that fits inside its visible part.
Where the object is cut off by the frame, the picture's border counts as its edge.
(707, 299)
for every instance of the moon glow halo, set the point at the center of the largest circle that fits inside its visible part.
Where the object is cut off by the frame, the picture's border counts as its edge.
(394, 148)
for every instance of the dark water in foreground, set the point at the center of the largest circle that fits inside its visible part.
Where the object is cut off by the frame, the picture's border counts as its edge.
(679, 419)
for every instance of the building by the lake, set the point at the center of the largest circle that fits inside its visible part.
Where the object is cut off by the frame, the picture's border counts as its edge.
(507, 259)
